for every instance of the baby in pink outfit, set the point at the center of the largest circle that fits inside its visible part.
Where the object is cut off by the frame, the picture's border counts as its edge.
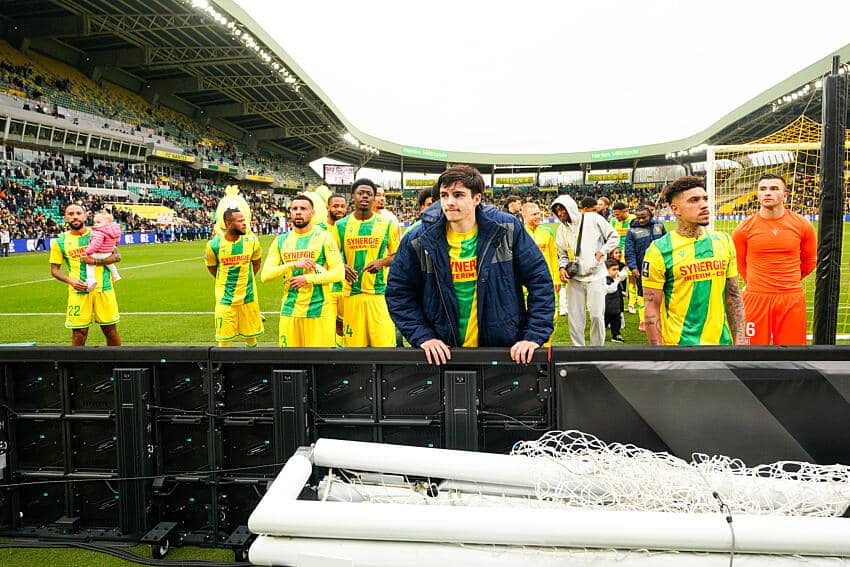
(105, 236)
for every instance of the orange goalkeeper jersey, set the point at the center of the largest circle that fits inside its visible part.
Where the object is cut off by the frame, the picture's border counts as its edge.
(774, 255)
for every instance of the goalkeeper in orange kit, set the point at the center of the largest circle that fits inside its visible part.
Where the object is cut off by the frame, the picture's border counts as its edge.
(776, 249)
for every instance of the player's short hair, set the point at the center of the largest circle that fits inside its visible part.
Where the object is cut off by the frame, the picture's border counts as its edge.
(337, 196)
(605, 200)
(76, 205)
(681, 184)
(512, 199)
(587, 202)
(423, 196)
(466, 175)
(643, 209)
(619, 206)
(301, 197)
(611, 263)
(228, 214)
(772, 176)
(364, 181)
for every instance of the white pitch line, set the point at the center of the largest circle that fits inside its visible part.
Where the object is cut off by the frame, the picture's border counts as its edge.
(123, 268)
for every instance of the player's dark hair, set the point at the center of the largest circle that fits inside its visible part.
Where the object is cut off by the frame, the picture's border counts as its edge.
(587, 203)
(424, 195)
(228, 214)
(301, 197)
(512, 199)
(645, 209)
(466, 175)
(772, 176)
(611, 263)
(364, 181)
(619, 206)
(337, 196)
(681, 184)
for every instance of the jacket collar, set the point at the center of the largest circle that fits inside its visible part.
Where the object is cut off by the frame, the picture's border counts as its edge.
(434, 222)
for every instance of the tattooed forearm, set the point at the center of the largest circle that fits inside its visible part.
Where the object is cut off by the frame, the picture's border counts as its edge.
(735, 310)
(652, 316)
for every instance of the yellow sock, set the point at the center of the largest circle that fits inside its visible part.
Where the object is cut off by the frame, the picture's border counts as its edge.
(640, 307)
(252, 342)
(225, 343)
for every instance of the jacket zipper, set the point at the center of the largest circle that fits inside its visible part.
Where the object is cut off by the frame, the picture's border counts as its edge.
(483, 254)
(443, 301)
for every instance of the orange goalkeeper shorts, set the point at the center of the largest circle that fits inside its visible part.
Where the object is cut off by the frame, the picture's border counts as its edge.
(780, 316)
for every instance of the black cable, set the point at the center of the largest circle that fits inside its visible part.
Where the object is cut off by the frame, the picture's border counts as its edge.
(130, 478)
(724, 509)
(121, 553)
(511, 418)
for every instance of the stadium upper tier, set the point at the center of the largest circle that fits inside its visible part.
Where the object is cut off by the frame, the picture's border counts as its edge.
(217, 74)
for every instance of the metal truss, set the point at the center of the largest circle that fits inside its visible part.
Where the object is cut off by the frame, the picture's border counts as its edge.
(224, 82)
(165, 56)
(111, 23)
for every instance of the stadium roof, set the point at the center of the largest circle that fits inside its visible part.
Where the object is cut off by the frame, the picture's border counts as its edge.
(196, 56)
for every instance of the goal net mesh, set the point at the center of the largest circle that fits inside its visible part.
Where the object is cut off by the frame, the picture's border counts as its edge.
(794, 153)
(577, 470)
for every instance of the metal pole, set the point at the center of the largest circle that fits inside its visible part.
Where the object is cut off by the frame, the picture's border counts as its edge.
(831, 213)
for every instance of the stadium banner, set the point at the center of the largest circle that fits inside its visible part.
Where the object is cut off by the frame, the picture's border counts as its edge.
(259, 178)
(608, 177)
(614, 154)
(525, 180)
(23, 245)
(221, 168)
(174, 157)
(419, 182)
(425, 153)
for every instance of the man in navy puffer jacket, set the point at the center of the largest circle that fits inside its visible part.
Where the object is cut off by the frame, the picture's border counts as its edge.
(458, 277)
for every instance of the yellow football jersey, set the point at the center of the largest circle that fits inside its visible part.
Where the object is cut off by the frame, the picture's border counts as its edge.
(234, 283)
(67, 249)
(319, 246)
(362, 242)
(544, 237)
(463, 258)
(692, 274)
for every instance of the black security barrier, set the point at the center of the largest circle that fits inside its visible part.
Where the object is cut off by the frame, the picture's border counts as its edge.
(179, 444)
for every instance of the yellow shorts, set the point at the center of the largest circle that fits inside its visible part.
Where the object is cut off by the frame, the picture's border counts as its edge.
(307, 331)
(233, 321)
(367, 322)
(99, 307)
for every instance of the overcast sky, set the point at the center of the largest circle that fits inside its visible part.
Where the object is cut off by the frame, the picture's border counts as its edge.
(544, 76)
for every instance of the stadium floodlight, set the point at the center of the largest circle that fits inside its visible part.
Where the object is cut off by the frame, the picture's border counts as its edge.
(349, 137)
(289, 79)
(201, 4)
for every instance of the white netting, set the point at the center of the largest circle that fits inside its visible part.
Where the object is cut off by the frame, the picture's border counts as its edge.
(571, 469)
(624, 477)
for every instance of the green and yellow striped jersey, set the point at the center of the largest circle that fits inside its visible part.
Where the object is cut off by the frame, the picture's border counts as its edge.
(622, 228)
(463, 258)
(317, 245)
(234, 283)
(692, 274)
(336, 287)
(67, 249)
(362, 242)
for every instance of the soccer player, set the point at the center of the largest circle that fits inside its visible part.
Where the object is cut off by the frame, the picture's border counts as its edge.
(459, 276)
(690, 276)
(368, 243)
(337, 208)
(643, 231)
(776, 249)
(545, 240)
(233, 259)
(621, 221)
(84, 307)
(379, 207)
(308, 260)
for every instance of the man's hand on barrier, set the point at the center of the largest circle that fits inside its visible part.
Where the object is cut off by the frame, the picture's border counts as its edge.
(522, 351)
(436, 351)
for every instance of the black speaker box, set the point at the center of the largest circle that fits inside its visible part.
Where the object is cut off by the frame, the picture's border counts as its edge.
(93, 446)
(514, 390)
(236, 502)
(244, 388)
(417, 436)
(91, 388)
(250, 447)
(189, 503)
(345, 390)
(184, 446)
(182, 387)
(96, 503)
(412, 390)
(35, 387)
(36, 444)
(41, 504)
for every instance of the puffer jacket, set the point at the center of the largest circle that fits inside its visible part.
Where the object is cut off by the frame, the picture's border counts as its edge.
(638, 240)
(104, 239)
(420, 294)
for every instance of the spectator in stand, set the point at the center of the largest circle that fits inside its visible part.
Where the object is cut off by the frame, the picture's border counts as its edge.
(643, 230)
(776, 249)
